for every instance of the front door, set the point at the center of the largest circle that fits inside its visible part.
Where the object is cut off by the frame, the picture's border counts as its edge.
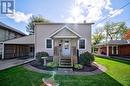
(66, 48)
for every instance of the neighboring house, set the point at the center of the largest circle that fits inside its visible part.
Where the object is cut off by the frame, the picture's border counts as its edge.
(60, 40)
(116, 47)
(8, 33)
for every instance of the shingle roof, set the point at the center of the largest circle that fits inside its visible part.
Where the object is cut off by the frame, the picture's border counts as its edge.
(22, 40)
(11, 28)
(115, 42)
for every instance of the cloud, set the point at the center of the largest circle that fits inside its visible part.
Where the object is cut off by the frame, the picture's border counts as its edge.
(100, 25)
(114, 13)
(91, 10)
(19, 16)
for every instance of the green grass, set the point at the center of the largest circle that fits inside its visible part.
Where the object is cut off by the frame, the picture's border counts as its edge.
(117, 74)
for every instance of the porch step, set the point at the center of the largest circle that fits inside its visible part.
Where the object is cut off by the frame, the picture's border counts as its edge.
(65, 69)
(65, 62)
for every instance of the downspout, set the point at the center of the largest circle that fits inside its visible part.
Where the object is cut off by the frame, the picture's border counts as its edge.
(2, 51)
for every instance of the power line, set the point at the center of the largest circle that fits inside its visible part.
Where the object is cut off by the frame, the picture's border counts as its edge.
(114, 12)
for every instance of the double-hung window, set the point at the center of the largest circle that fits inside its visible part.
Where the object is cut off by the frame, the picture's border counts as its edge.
(82, 43)
(48, 43)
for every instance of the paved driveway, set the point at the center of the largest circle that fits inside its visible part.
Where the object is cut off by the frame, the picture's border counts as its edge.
(4, 64)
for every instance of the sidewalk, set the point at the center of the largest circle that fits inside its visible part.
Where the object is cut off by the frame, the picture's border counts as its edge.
(4, 64)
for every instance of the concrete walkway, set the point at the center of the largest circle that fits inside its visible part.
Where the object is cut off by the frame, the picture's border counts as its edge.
(100, 69)
(4, 64)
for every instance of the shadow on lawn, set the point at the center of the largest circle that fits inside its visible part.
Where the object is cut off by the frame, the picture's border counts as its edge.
(114, 59)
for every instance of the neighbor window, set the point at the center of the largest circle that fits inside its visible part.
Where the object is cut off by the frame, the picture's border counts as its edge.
(82, 44)
(48, 43)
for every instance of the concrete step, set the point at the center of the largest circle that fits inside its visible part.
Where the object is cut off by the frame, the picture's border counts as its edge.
(65, 69)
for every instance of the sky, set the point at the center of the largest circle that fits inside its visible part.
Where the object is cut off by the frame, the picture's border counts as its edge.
(74, 11)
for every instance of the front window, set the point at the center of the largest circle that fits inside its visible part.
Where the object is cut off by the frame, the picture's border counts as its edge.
(82, 44)
(48, 43)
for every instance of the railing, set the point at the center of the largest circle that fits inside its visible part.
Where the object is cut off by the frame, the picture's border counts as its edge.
(57, 51)
(58, 54)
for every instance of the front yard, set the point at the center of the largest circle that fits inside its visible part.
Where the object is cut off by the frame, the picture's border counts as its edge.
(117, 74)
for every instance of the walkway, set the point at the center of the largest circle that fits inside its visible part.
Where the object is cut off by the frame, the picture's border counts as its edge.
(4, 64)
(100, 69)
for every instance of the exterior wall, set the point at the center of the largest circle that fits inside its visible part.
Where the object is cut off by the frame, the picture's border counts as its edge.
(20, 51)
(123, 51)
(7, 34)
(44, 31)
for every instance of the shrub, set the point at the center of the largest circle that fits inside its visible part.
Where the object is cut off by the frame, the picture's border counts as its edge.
(86, 58)
(78, 66)
(52, 65)
(41, 54)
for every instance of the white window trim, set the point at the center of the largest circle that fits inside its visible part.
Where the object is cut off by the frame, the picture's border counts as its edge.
(85, 43)
(116, 50)
(46, 44)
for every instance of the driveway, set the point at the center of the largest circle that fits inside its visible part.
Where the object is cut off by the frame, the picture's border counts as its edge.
(4, 64)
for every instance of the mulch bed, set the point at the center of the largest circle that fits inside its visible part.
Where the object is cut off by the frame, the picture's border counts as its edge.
(89, 68)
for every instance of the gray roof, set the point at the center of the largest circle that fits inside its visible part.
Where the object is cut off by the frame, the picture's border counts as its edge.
(11, 28)
(115, 42)
(41, 23)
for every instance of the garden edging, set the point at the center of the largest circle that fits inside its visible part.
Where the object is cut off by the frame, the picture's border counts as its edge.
(100, 69)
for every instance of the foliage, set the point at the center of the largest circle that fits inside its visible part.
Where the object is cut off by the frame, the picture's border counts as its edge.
(98, 36)
(39, 56)
(86, 58)
(35, 19)
(78, 66)
(52, 64)
(115, 31)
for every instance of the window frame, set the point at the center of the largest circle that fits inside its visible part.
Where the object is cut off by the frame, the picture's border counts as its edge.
(46, 43)
(79, 43)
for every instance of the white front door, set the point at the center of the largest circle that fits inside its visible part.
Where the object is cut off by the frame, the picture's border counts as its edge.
(66, 47)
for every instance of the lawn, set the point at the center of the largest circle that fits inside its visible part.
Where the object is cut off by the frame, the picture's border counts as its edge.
(117, 74)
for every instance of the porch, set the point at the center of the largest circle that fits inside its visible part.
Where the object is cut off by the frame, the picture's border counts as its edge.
(65, 52)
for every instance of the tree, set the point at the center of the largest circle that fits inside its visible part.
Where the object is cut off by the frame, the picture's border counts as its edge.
(115, 31)
(35, 19)
(98, 36)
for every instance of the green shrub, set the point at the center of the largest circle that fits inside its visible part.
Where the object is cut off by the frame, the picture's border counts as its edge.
(52, 65)
(78, 66)
(41, 54)
(86, 58)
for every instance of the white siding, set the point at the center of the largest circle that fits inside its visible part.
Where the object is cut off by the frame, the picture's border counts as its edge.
(44, 31)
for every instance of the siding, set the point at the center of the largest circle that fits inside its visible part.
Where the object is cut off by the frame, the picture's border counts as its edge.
(44, 31)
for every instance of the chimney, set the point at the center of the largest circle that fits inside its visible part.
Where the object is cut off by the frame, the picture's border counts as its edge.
(84, 21)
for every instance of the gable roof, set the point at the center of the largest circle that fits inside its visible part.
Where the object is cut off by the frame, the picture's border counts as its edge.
(11, 28)
(64, 27)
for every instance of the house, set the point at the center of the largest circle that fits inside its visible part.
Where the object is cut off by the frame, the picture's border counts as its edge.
(62, 41)
(8, 33)
(116, 47)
